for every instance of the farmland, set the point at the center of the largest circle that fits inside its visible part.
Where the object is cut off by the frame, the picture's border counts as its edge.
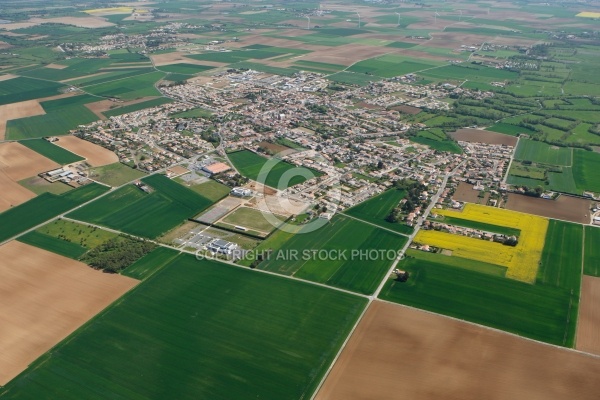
(347, 272)
(52, 151)
(131, 210)
(585, 168)
(128, 89)
(540, 152)
(115, 174)
(21, 89)
(440, 356)
(592, 251)
(150, 263)
(38, 289)
(251, 164)
(376, 209)
(45, 206)
(261, 325)
(54, 245)
(521, 260)
(250, 218)
(137, 106)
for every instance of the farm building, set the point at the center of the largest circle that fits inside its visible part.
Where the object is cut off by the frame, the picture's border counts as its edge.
(240, 192)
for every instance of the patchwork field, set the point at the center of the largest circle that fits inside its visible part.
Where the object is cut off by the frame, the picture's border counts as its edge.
(195, 316)
(21, 109)
(51, 151)
(444, 358)
(327, 266)
(521, 260)
(45, 297)
(250, 165)
(131, 210)
(94, 155)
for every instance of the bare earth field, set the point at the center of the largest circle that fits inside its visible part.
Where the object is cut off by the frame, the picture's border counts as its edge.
(465, 192)
(95, 155)
(13, 194)
(7, 77)
(43, 298)
(21, 109)
(588, 327)
(481, 136)
(83, 22)
(567, 208)
(177, 57)
(401, 353)
(20, 162)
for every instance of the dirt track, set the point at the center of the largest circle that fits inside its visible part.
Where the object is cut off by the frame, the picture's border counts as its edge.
(399, 353)
(43, 298)
(567, 208)
(588, 326)
(95, 155)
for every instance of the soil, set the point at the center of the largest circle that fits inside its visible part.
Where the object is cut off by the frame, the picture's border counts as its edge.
(480, 136)
(401, 353)
(94, 154)
(588, 326)
(44, 297)
(567, 208)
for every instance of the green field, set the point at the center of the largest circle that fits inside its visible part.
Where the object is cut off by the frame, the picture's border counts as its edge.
(545, 311)
(351, 78)
(194, 113)
(544, 153)
(185, 68)
(585, 170)
(509, 129)
(458, 262)
(76, 68)
(199, 330)
(73, 232)
(115, 174)
(22, 88)
(136, 107)
(55, 245)
(150, 215)
(44, 207)
(471, 72)
(376, 209)
(340, 234)
(212, 190)
(592, 251)
(436, 139)
(150, 263)
(388, 69)
(51, 151)
(39, 185)
(250, 164)
(129, 89)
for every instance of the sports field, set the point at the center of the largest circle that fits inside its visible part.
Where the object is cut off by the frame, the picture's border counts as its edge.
(521, 260)
(376, 209)
(333, 262)
(250, 165)
(200, 330)
(51, 151)
(131, 210)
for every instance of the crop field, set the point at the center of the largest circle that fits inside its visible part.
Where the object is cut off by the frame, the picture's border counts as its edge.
(115, 174)
(21, 89)
(458, 262)
(133, 211)
(77, 68)
(388, 69)
(129, 89)
(108, 76)
(195, 113)
(51, 151)
(57, 123)
(471, 72)
(540, 152)
(212, 190)
(73, 232)
(585, 170)
(137, 106)
(592, 251)
(353, 273)
(184, 68)
(44, 207)
(480, 225)
(436, 139)
(350, 78)
(94, 154)
(151, 263)
(250, 165)
(521, 260)
(205, 324)
(54, 245)
(38, 289)
(444, 358)
(536, 311)
(376, 209)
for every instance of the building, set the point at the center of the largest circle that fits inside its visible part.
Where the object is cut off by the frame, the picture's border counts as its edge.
(221, 246)
(216, 168)
(241, 192)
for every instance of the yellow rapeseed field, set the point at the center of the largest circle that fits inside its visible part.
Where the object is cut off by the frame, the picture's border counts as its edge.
(113, 10)
(522, 261)
(588, 14)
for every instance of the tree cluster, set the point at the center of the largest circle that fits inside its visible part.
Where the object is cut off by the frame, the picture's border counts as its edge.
(117, 254)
